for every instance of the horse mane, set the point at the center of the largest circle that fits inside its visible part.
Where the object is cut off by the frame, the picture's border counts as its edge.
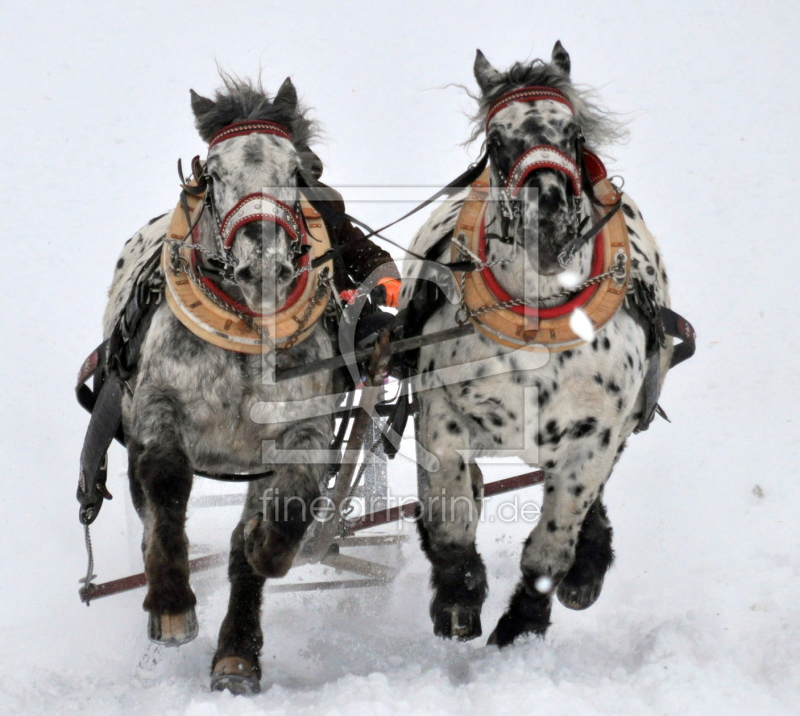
(600, 127)
(239, 100)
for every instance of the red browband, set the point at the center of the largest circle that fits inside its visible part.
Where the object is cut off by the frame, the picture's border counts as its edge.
(527, 94)
(254, 126)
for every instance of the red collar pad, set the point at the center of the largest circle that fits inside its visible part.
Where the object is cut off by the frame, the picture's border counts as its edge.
(554, 311)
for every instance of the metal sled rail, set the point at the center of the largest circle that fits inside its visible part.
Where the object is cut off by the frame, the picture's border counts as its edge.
(372, 573)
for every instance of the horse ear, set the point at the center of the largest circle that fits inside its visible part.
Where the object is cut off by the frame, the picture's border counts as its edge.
(560, 58)
(200, 105)
(286, 98)
(486, 75)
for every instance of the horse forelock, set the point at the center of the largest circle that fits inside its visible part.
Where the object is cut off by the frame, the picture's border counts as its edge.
(240, 100)
(600, 127)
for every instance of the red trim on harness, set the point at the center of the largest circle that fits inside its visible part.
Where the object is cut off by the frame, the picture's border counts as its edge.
(229, 232)
(594, 167)
(254, 126)
(554, 311)
(565, 166)
(527, 94)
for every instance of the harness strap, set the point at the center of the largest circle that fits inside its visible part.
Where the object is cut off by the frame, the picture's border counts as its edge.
(665, 322)
(103, 426)
(335, 218)
(677, 326)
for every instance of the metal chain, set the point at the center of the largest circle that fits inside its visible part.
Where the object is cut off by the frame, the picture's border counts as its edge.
(479, 265)
(227, 262)
(617, 271)
(323, 286)
(181, 265)
(88, 588)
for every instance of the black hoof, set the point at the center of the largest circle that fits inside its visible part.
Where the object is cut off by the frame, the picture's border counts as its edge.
(235, 675)
(457, 622)
(526, 614)
(579, 596)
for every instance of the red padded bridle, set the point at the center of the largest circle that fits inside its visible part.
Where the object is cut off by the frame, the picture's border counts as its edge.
(542, 156)
(259, 206)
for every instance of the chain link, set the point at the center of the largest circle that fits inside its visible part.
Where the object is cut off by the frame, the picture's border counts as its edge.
(617, 271)
(88, 588)
(323, 286)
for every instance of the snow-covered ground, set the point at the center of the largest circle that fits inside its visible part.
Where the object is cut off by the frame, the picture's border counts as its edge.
(700, 614)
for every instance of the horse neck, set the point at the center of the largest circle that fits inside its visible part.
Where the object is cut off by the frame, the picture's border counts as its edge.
(515, 274)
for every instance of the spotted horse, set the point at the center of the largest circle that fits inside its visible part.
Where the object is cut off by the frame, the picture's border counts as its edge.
(568, 297)
(206, 301)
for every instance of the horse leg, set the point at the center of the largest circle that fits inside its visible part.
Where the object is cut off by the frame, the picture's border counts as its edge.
(594, 555)
(273, 536)
(450, 513)
(549, 551)
(235, 666)
(161, 480)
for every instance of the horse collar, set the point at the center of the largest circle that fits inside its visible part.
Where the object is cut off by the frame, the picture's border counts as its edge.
(208, 312)
(514, 324)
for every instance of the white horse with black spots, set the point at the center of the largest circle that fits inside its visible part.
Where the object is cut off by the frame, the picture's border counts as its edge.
(188, 405)
(570, 414)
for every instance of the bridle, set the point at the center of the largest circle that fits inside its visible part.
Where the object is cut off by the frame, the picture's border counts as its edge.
(546, 156)
(259, 206)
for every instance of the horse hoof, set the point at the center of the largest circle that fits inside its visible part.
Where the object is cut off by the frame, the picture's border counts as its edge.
(581, 596)
(172, 629)
(236, 675)
(457, 622)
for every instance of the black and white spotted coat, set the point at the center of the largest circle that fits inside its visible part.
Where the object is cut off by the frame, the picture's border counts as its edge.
(569, 413)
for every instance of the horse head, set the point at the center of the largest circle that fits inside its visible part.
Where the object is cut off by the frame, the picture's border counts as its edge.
(257, 147)
(536, 126)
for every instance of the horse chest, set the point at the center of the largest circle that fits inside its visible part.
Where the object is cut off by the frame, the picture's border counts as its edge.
(539, 406)
(224, 406)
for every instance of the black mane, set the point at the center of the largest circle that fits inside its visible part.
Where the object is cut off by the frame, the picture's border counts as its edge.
(599, 126)
(240, 100)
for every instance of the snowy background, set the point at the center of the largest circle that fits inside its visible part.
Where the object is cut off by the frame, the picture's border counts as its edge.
(701, 613)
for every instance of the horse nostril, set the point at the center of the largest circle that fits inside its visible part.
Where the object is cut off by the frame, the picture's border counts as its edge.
(285, 272)
(244, 274)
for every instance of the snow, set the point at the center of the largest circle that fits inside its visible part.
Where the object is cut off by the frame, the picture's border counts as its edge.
(700, 614)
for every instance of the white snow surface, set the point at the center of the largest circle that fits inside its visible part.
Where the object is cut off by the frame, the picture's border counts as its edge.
(701, 612)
